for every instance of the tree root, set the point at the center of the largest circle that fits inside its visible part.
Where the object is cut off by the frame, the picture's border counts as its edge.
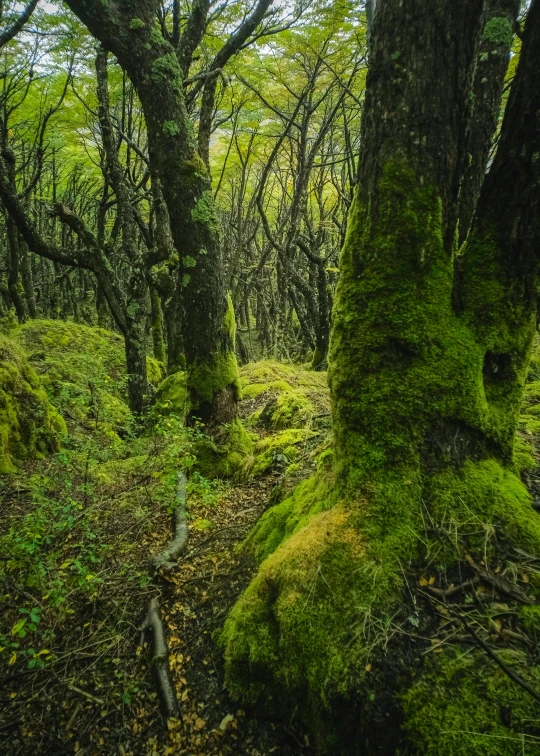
(153, 622)
(166, 559)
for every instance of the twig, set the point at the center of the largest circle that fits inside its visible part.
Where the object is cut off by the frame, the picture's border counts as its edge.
(499, 582)
(454, 589)
(512, 674)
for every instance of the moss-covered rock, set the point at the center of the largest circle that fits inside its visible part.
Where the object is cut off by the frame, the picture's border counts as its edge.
(30, 426)
(279, 396)
(277, 451)
(172, 396)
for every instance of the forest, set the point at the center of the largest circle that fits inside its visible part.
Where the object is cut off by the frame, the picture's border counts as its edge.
(270, 377)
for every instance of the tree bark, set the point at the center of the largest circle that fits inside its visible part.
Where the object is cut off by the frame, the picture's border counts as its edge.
(492, 63)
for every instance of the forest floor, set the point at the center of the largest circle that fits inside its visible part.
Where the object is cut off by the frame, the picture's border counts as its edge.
(77, 533)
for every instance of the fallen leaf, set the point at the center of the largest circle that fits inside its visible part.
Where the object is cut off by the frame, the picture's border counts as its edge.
(225, 722)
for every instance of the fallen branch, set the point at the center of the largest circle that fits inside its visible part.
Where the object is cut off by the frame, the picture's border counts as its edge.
(166, 559)
(454, 589)
(153, 622)
(512, 674)
(499, 582)
(160, 659)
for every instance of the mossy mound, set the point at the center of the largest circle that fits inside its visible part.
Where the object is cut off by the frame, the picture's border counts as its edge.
(279, 396)
(336, 616)
(277, 451)
(487, 714)
(172, 396)
(30, 426)
(225, 456)
(83, 369)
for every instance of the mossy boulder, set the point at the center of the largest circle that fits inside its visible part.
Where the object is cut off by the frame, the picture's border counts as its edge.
(30, 427)
(83, 370)
(279, 396)
(277, 451)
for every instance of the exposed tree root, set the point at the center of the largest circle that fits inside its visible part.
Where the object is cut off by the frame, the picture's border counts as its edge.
(153, 622)
(166, 559)
(160, 659)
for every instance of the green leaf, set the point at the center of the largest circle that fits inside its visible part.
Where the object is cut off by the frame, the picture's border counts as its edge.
(17, 627)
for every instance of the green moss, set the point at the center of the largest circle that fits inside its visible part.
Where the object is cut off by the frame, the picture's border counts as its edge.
(30, 426)
(207, 378)
(523, 454)
(204, 211)
(83, 370)
(226, 458)
(171, 128)
(136, 23)
(471, 719)
(530, 617)
(172, 396)
(167, 69)
(277, 450)
(229, 320)
(499, 31)
(289, 397)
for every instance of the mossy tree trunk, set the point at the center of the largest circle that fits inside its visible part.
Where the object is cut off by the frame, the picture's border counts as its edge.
(129, 30)
(427, 373)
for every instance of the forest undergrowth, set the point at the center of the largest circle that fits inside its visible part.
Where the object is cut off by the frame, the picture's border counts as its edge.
(78, 530)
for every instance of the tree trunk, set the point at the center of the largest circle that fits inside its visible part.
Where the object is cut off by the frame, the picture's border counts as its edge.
(15, 287)
(128, 30)
(28, 279)
(491, 66)
(157, 325)
(422, 490)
